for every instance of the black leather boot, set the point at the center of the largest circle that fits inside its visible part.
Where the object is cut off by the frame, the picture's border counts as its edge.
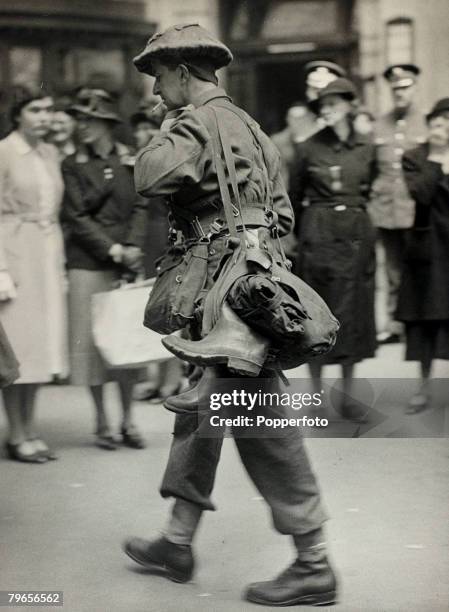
(302, 583)
(175, 560)
(231, 342)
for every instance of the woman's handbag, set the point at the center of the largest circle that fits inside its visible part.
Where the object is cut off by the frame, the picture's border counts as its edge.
(182, 273)
(118, 331)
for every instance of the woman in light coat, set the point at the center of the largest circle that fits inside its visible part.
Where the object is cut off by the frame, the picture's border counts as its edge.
(32, 284)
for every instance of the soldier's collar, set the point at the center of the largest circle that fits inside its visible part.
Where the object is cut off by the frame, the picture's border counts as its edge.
(207, 96)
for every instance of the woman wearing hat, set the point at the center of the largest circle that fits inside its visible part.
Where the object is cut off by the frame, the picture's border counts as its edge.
(32, 277)
(105, 225)
(334, 171)
(424, 294)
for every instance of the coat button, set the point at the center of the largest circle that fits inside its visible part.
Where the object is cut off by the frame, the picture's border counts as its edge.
(212, 251)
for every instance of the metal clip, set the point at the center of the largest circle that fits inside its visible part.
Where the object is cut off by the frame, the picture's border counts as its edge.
(198, 228)
(216, 226)
(235, 211)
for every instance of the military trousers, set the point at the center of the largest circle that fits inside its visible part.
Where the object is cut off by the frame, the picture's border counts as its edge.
(278, 466)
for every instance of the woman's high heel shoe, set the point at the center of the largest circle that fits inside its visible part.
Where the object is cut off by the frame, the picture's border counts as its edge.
(13, 452)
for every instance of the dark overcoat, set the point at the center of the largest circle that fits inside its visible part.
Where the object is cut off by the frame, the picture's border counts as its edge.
(330, 187)
(424, 292)
(100, 207)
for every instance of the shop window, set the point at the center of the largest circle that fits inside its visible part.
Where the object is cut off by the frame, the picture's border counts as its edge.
(25, 65)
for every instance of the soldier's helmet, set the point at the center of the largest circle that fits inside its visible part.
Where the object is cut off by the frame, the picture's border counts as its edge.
(185, 44)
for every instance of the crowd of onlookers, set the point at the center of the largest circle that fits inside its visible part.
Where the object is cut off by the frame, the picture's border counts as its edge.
(355, 179)
(72, 225)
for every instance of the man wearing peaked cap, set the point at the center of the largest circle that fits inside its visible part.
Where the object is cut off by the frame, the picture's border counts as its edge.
(181, 164)
(319, 74)
(391, 207)
(401, 75)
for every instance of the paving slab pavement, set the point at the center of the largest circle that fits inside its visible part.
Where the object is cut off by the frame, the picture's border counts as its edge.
(61, 524)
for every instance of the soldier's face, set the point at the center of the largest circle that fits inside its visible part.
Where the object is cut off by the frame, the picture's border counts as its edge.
(403, 96)
(169, 85)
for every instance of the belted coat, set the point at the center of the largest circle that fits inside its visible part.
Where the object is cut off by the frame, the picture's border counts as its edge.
(330, 188)
(32, 252)
(179, 164)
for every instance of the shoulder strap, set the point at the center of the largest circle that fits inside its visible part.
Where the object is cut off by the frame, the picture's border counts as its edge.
(253, 128)
(231, 212)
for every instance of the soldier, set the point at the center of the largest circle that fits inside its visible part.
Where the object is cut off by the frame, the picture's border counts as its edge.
(391, 208)
(179, 164)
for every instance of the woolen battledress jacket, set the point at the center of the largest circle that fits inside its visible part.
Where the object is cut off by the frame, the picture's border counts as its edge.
(100, 207)
(179, 164)
(424, 291)
(330, 189)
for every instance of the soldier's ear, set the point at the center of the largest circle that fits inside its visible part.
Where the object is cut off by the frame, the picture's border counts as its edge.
(184, 73)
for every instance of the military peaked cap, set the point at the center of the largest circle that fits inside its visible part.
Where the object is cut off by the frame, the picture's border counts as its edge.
(401, 75)
(187, 43)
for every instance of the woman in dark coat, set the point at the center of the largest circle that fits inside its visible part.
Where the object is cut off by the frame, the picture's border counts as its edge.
(424, 294)
(106, 224)
(334, 171)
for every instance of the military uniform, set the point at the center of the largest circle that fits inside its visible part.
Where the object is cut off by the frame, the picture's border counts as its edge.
(391, 208)
(178, 164)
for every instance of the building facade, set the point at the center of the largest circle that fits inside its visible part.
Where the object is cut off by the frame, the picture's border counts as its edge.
(273, 39)
(67, 43)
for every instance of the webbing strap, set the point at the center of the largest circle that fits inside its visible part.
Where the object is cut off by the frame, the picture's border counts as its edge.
(221, 175)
